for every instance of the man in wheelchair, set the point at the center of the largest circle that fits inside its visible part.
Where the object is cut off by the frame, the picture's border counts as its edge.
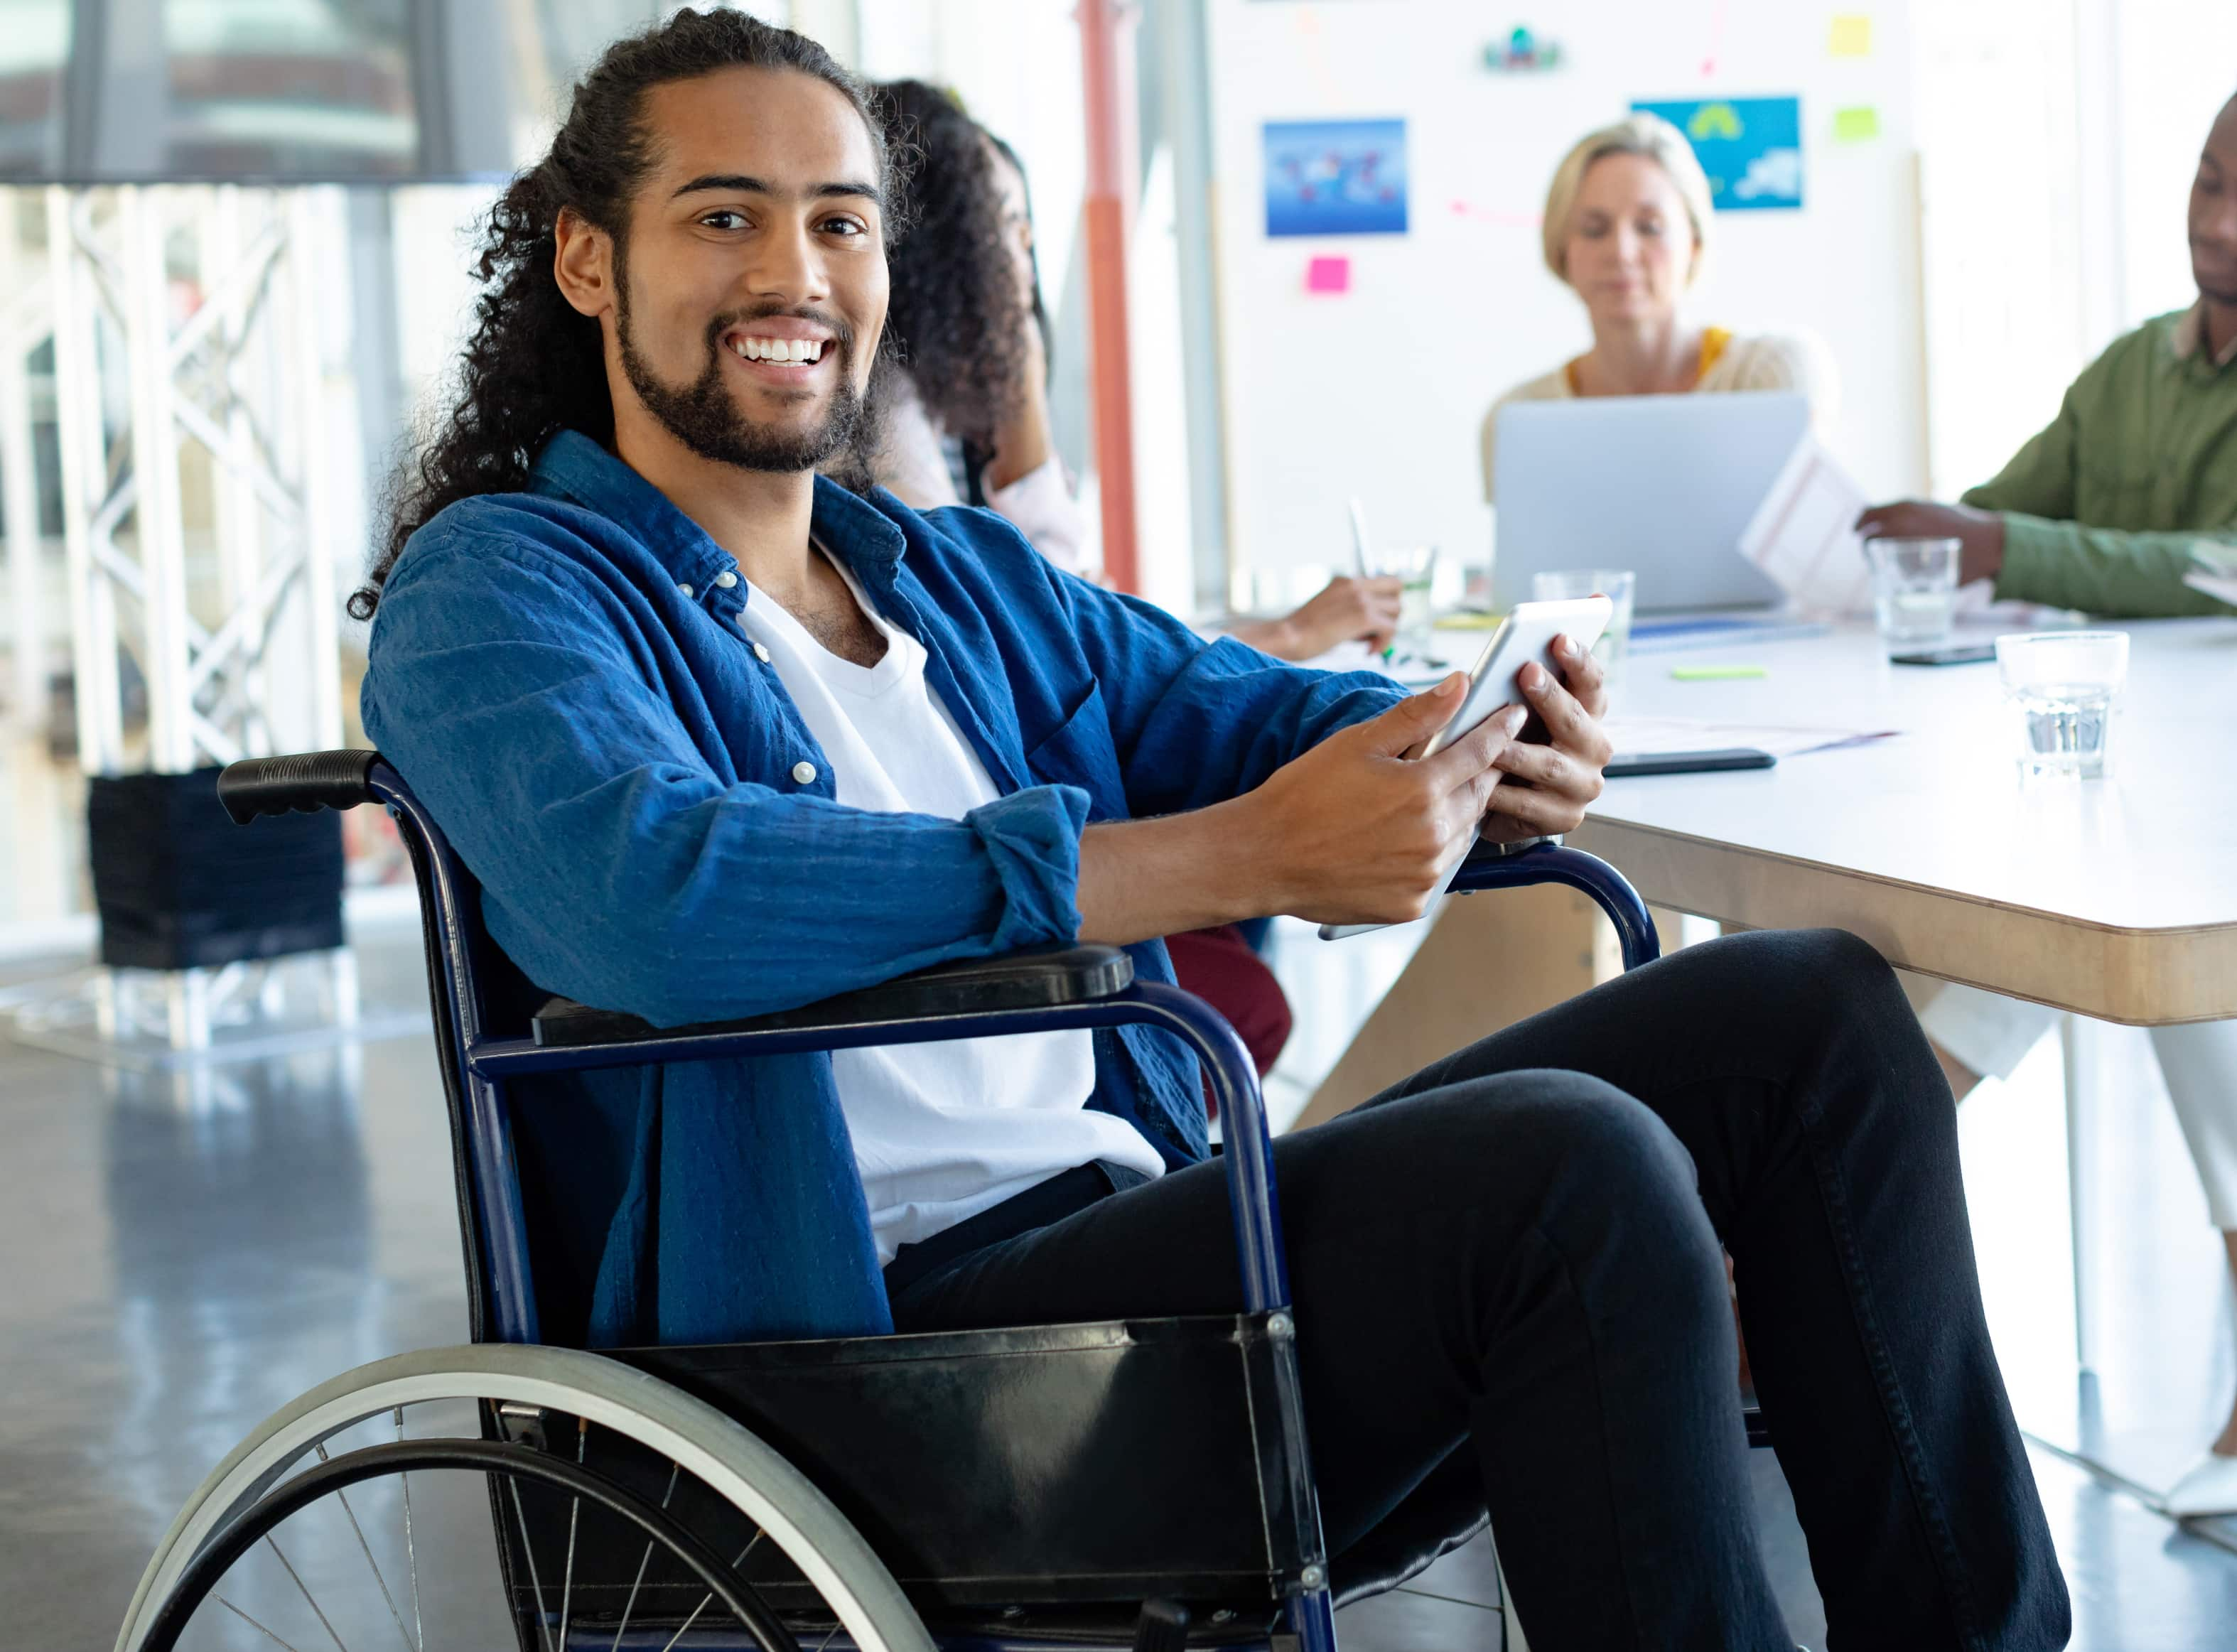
(719, 736)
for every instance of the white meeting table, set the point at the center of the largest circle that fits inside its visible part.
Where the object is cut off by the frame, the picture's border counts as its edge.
(2115, 899)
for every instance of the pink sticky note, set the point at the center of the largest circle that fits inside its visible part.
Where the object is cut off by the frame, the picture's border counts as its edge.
(1329, 275)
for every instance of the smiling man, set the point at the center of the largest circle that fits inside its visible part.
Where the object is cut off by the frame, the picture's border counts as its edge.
(2099, 511)
(717, 735)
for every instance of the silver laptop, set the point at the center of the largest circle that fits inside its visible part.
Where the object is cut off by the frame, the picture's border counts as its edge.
(1664, 485)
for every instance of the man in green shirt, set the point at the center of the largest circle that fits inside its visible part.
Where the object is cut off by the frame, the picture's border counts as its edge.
(2101, 510)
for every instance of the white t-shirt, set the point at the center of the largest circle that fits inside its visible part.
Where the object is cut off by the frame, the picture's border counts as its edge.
(941, 1131)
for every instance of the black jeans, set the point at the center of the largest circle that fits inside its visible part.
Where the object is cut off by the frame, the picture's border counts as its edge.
(1518, 1249)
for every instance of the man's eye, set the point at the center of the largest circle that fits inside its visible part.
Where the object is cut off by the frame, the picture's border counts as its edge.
(843, 225)
(724, 219)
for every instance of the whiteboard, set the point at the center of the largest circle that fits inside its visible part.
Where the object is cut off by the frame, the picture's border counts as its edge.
(1380, 392)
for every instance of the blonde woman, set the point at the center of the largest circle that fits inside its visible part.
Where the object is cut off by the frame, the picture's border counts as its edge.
(1626, 227)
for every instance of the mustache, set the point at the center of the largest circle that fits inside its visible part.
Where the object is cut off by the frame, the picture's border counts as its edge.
(842, 334)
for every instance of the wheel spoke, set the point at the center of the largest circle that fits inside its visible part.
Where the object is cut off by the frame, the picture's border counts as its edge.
(644, 1560)
(705, 1600)
(411, 1555)
(574, 1514)
(252, 1623)
(272, 1543)
(543, 1626)
(367, 1549)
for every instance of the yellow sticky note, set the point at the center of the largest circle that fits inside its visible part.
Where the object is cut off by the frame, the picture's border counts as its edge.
(1851, 35)
(1859, 125)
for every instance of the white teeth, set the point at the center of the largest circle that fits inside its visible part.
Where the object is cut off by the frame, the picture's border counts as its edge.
(786, 350)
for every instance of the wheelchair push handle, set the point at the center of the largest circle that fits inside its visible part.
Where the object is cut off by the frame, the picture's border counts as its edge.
(304, 783)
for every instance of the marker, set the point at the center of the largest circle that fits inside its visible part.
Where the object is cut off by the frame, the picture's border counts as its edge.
(1716, 673)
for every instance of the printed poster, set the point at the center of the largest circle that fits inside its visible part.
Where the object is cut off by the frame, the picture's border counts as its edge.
(1335, 177)
(1750, 147)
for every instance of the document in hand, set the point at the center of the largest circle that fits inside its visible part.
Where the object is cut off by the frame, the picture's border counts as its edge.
(1803, 534)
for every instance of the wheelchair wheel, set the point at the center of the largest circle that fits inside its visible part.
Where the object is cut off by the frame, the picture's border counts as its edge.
(478, 1495)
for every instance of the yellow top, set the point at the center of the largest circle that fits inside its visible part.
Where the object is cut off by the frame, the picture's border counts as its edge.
(1714, 340)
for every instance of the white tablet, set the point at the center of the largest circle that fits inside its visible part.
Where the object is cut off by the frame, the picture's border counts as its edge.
(1525, 635)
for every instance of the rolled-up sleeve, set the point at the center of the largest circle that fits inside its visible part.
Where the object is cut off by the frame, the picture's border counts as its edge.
(516, 696)
(1195, 723)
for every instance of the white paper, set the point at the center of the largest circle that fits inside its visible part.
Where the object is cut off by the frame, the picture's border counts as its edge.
(1803, 534)
(1656, 736)
(2221, 589)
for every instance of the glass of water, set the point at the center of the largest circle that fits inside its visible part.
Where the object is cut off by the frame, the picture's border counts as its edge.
(1914, 589)
(2064, 684)
(1415, 568)
(1618, 586)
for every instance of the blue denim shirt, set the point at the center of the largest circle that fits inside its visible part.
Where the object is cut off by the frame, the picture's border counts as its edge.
(560, 676)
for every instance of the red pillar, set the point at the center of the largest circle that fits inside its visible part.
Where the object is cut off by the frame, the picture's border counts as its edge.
(1106, 61)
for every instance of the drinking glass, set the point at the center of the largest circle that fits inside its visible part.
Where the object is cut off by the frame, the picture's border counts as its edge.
(1415, 568)
(2062, 684)
(1914, 589)
(1618, 586)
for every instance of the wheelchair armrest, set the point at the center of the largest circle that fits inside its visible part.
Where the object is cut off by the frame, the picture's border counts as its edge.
(1036, 978)
(1550, 861)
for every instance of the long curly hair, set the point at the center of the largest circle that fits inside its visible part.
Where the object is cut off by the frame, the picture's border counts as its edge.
(956, 314)
(534, 366)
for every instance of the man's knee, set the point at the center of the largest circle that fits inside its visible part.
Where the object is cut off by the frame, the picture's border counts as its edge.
(1817, 982)
(1573, 1134)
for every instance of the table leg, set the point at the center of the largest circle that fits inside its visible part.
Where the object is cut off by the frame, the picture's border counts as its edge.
(2083, 1180)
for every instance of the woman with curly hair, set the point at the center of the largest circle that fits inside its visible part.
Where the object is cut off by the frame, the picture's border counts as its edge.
(968, 415)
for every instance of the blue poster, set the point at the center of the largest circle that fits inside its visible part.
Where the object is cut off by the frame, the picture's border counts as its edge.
(1335, 177)
(1750, 147)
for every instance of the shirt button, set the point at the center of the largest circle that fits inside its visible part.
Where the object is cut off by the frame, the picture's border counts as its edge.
(686, 590)
(760, 652)
(804, 772)
(726, 579)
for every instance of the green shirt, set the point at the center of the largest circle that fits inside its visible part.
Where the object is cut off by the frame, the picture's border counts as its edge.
(2101, 508)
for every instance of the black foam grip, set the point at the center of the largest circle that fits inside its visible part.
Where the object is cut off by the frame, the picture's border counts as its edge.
(306, 782)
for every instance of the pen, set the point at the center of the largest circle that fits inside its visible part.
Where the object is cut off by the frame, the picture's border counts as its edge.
(1359, 556)
(1716, 673)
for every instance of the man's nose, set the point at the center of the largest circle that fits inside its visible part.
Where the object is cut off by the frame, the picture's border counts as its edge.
(790, 266)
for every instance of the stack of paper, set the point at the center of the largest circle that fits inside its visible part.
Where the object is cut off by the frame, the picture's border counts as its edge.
(1655, 736)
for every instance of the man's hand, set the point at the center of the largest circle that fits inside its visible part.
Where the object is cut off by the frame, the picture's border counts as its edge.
(1346, 610)
(1356, 831)
(1552, 785)
(1980, 534)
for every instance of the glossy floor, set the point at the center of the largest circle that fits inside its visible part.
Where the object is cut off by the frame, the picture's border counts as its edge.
(186, 1256)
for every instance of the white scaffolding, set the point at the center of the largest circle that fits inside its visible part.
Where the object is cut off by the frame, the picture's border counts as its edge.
(190, 357)
(199, 339)
(26, 321)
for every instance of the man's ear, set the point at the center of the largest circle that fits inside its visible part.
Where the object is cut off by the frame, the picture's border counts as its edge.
(584, 263)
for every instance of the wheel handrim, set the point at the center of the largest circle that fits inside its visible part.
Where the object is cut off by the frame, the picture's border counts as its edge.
(768, 1490)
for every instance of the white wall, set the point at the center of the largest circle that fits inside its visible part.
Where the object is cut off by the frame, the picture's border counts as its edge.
(1380, 392)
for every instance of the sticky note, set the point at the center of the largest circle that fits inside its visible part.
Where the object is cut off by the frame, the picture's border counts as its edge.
(1851, 35)
(1329, 275)
(1858, 125)
(1716, 672)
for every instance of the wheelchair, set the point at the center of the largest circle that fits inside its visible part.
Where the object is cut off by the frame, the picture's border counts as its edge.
(1144, 1483)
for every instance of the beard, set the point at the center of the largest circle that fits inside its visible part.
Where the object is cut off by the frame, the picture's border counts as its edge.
(703, 417)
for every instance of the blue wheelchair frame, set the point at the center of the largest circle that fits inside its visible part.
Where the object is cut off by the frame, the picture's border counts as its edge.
(481, 1064)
